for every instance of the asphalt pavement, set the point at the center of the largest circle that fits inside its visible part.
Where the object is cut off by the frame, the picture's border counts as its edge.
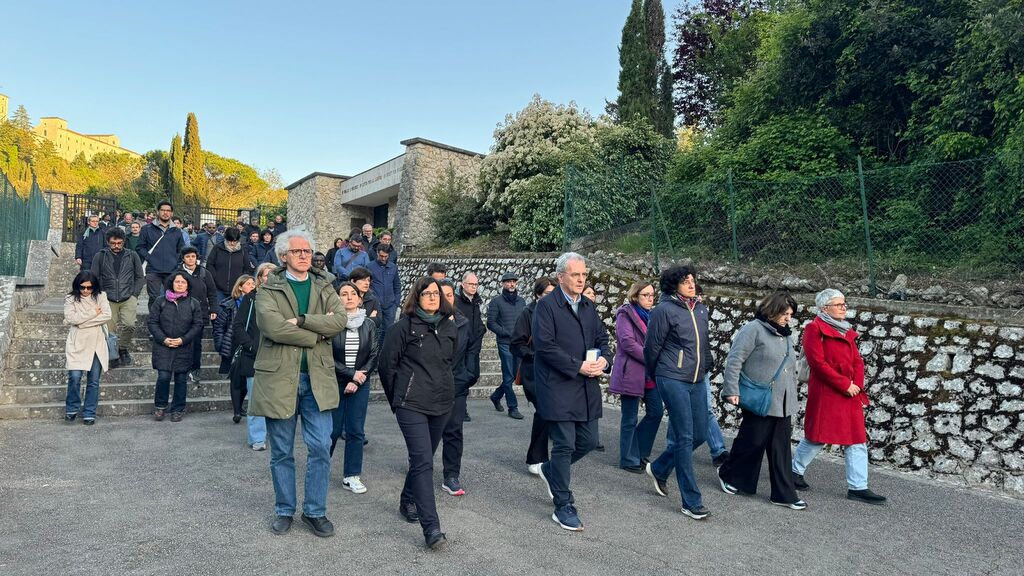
(134, 496)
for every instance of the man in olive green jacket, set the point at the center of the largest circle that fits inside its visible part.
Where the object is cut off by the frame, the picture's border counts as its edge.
(298, 313)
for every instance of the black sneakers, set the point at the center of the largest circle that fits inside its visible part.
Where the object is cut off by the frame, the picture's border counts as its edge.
(281, 524)
(497, 404)
(865, 495)
(320, 526)
(514, 413)
(409, 511)
(660, 486)
(717, 461)
(799, 482)
(436, 540)
(698, 513)
(125, 359)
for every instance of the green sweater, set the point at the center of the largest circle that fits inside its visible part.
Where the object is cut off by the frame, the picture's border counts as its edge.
(301, 291)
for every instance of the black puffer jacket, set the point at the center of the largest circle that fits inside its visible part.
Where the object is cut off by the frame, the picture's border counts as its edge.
(223, 331)
(201, 288)
(372, 307)
(227, 266)
(416, 365)
(366, 356)
(181, 319)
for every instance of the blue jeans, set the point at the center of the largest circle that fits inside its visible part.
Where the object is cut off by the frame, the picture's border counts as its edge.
(636, 440)
(570, 441)
(257, 424)
(387, 319)
(350, 419)
(92, 390)
(716, 443)
(856, 457)
(509, 367)
(687, 415)
(163, 387)
(316, 433)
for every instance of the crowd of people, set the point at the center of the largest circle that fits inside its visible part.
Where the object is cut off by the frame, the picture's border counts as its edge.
(302, 334)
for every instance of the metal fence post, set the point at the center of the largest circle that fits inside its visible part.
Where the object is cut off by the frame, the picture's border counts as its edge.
(872, 287)
(566, 209)
(654, 229)
(732, 217)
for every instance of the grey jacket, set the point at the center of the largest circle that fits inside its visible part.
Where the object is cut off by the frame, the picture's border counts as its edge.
(119, 285)
(757, 350)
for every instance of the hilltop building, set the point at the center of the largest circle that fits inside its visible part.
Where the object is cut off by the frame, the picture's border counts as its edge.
(70, 144)
(393, 194)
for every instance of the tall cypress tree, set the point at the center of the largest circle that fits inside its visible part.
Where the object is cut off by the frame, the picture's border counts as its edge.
(638, 76)
(175, 169)
(663, 116)
(666, 117)
(194, 169)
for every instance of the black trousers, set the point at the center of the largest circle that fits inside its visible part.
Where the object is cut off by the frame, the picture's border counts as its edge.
(422, 435)
(239, 390)
(451, 450)
(571, 441)
(757, 436)
(155, 285)
(538, 450)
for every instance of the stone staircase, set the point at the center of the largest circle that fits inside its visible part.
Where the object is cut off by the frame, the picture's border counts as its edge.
(35, 383)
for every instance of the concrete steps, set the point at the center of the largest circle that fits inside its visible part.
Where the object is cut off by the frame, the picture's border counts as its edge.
(35, 384)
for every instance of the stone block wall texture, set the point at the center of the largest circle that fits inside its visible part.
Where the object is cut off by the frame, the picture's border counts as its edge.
(945, 389)
(426, 165)
(316, 204)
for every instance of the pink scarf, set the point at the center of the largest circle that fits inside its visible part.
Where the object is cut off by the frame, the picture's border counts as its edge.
(174, 296)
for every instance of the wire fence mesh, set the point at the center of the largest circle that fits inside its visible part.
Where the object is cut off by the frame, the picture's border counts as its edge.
(961, 219)
(21, 219)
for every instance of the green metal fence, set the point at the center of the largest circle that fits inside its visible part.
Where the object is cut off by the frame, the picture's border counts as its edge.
(961, 219)
(21, 220)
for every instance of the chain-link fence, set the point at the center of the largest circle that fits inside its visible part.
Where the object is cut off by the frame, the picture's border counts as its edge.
(961, 219)
(21, 220)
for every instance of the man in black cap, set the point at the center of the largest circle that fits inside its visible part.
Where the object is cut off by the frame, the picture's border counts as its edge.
(502, 313)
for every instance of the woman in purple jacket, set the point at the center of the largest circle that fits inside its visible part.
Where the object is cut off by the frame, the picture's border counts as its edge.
(630, 382)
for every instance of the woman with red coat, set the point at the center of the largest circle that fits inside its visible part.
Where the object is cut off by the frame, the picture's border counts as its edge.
(835, 396)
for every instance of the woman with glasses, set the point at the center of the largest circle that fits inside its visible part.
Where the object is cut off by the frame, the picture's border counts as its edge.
(87, 311)
(630, 382)
(416, 373)
(835, 396)
(246, 342)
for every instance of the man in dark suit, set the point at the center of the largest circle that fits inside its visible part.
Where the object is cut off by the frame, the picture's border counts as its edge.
(570, 352)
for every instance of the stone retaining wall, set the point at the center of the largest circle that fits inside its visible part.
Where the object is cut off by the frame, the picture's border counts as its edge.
(945, 384)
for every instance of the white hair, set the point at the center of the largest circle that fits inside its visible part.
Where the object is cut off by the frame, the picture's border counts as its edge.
(562, 262)
(826, 296)
(281, 242)
(467, 275)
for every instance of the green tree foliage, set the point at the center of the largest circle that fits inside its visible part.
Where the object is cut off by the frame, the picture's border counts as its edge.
(456, 209)
(638, 73)
(175, 182)
(238, 185)
(194, 174)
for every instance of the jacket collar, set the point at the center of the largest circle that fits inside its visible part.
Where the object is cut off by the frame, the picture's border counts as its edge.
(831, 332)
(630, 313)
(474, 300)
(562, 299)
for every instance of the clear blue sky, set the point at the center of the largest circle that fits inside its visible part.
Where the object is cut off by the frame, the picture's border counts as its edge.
(307, 86)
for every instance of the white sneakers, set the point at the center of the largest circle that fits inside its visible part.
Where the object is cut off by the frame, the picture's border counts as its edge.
(534, 469)
(354, 484)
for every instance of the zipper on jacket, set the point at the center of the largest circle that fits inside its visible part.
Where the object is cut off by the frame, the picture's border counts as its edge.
(696, 335)
(408, 389)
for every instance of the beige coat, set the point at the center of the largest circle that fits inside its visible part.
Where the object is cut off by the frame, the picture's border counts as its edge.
(276, 382)
(86, 337)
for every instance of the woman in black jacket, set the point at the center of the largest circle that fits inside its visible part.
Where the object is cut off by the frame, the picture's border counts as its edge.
(245, 340)
(522, 348)
(416, 373)
(360, 276)
(175, 320)
(451, 451)
(355, 359)
(223, 336)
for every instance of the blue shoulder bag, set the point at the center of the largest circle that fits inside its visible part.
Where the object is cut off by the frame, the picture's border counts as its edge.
(757, 397)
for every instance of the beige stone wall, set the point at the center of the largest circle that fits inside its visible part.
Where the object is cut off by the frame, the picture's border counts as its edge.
(316, 204)
(425, 166)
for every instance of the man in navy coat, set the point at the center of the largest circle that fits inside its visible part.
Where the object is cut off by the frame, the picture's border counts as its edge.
(566, 330)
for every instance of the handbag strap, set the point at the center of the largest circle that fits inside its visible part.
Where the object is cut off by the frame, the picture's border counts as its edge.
(252, 304)
(783, 364)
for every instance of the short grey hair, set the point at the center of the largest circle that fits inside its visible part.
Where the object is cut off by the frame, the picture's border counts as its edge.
(562, 262)
(826, 296)
(468, 274)
(281, 243)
